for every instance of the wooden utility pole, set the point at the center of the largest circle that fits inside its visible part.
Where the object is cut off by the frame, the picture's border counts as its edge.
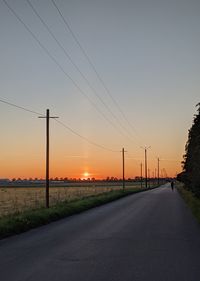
(145, 157)
(47, 117)
(123, 168)
(158, 170)
(141, 173)
(149, 177)
(145, 163)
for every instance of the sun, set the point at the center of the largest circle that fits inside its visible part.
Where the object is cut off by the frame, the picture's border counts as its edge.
(86, 174)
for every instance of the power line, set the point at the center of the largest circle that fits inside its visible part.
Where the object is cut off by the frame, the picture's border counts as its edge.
(58, 64)
(91, 64)
(132, 157)
(20, 107)
(84, 138)
(61, 123)
(74, 64)
(163, 159)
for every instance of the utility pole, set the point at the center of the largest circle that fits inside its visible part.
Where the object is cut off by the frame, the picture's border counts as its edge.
(47, 117)
(149, 178)
(145, 151)
(158, 170)
(123, 164)
(145, 158)
(161, 175)
(141, 173)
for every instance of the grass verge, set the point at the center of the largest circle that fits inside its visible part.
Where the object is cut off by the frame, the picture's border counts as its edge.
(191, 200)
(21, 222)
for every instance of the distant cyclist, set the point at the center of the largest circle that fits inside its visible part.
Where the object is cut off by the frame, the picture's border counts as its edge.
(172, 185)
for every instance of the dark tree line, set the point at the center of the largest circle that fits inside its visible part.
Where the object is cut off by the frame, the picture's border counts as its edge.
(191, 163)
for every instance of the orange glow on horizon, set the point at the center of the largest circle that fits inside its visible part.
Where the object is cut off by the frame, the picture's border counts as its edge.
(95, 167)
(132, 169)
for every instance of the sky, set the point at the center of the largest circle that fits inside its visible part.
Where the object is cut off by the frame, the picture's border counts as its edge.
(116, 73)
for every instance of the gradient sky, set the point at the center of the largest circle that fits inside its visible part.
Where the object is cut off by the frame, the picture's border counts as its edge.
(147, 54)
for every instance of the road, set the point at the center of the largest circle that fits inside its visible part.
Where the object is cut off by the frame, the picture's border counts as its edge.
(150, 236)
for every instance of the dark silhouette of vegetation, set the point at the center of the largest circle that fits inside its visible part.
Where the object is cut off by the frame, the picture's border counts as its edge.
(190, 175)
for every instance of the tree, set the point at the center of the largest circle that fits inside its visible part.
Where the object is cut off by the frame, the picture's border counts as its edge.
(191, 164)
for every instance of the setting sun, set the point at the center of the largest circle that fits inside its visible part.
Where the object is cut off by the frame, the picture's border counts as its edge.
(86, 174)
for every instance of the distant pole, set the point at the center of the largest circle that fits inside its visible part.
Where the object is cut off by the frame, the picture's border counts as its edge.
(145, 159)
(141, 173)
(145, 163)
(161, 176)
(158, 170)
(47, 159)
(123, 168)
(149, 177)
(47, 155)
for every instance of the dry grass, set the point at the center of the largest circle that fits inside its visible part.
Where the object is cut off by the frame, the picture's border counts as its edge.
(18, 199)
(20, 222)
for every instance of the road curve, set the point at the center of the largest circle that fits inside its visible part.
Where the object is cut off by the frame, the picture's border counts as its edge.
(149, 236)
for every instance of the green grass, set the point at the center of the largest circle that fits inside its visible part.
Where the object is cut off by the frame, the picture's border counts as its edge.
(18, 223)
(191, 200)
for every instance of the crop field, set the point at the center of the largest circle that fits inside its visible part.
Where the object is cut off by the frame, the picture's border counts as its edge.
(17, 199)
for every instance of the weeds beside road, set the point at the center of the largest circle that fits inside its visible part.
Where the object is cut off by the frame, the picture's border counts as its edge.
(191, 200)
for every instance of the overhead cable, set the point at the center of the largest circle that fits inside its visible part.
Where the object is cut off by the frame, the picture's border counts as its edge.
(61, 123)
(84, 138)
(58, 64)
(92, 64)
(20, 107)
(77, 68)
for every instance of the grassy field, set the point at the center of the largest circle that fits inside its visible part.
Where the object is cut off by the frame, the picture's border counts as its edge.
(18, 199)
(17, 223)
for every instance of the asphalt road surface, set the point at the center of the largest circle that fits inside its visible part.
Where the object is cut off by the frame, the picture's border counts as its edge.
(150, 236)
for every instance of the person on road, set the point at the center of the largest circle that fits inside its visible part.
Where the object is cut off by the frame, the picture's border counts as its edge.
(172, 185)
